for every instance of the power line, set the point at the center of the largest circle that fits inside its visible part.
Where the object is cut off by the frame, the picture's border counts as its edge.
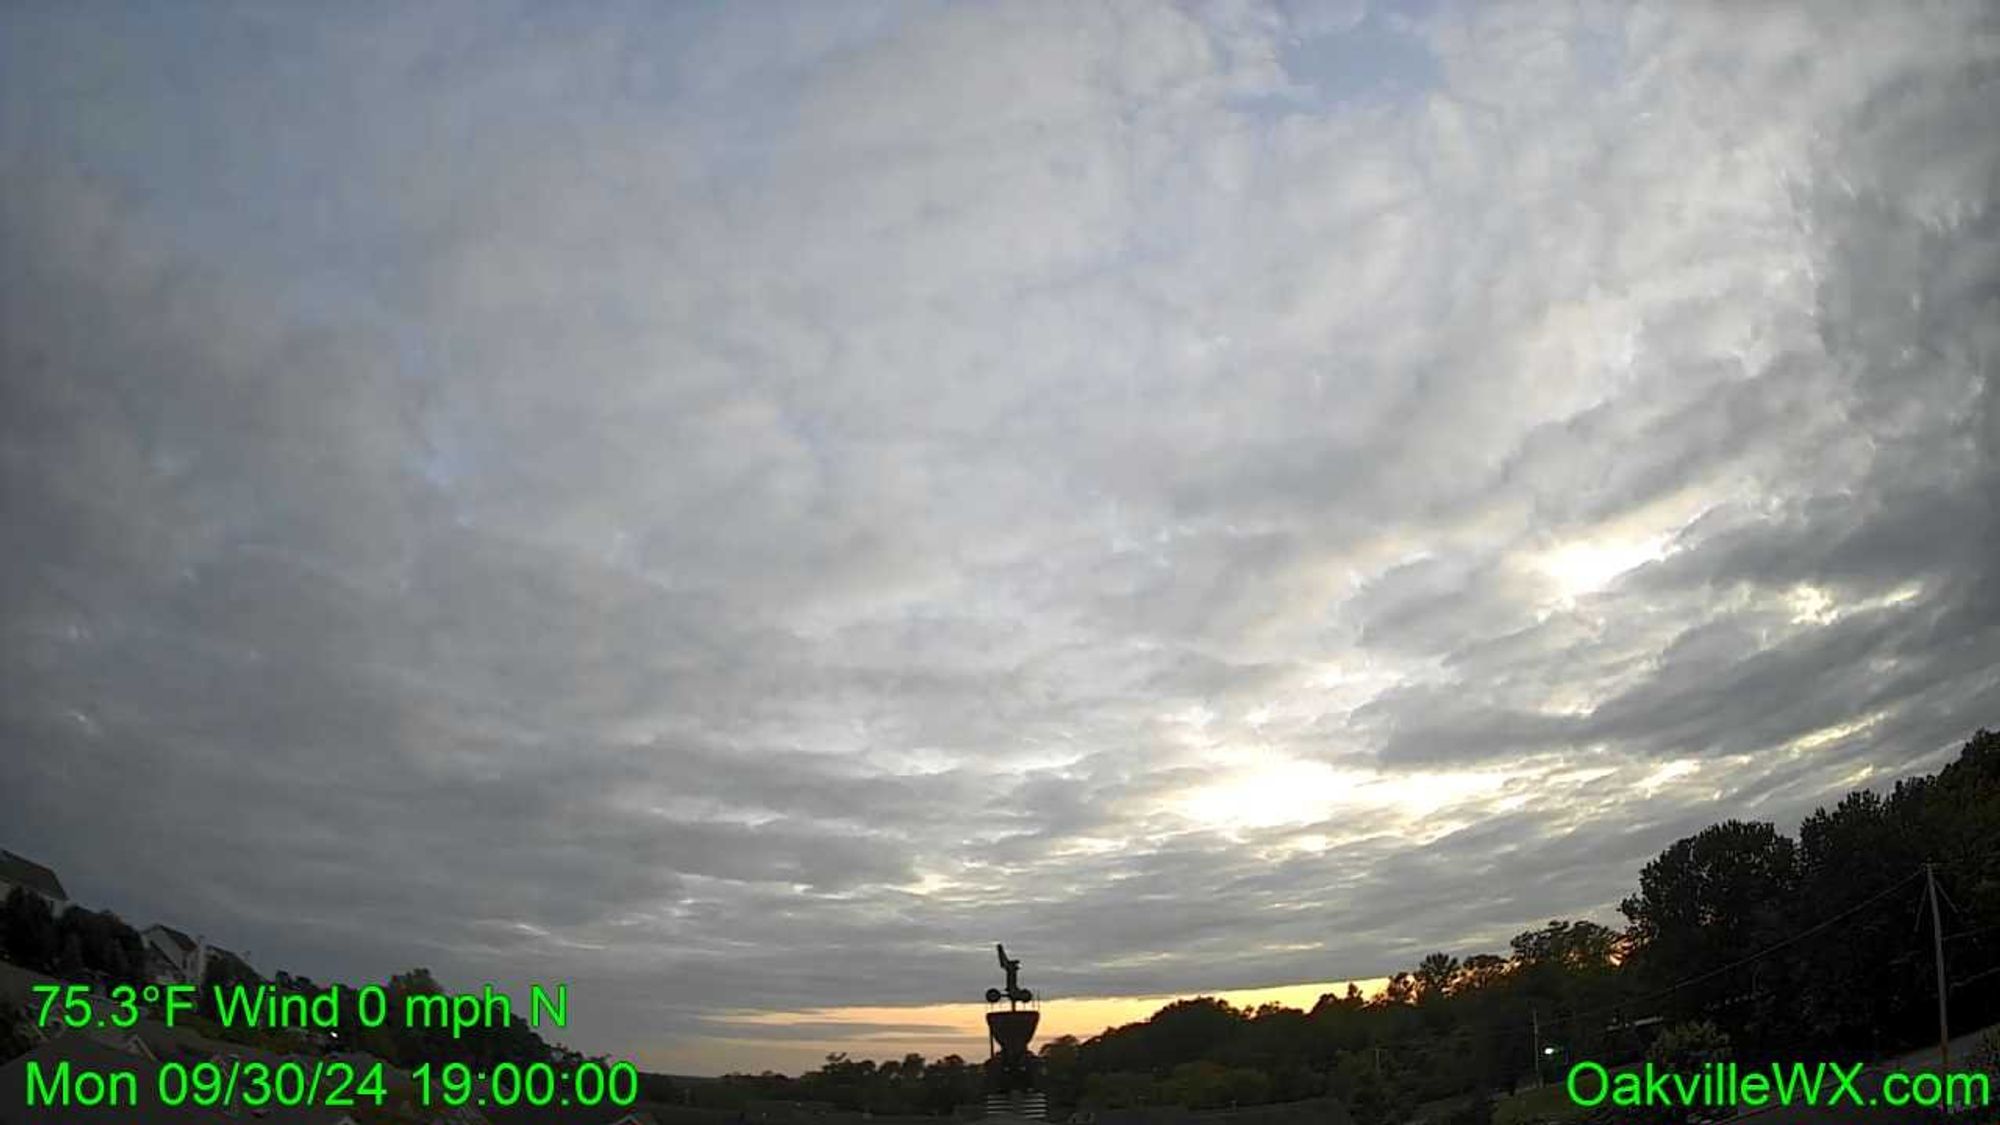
(1981, 975)
(1971, 933)
(1698, 978)
(1947, 898)
(1759, 955)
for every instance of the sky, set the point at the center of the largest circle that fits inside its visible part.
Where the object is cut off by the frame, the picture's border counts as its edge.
(739, 507)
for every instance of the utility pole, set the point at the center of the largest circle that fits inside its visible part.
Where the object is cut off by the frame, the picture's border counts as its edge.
(1937, 948)
(1536, 1017)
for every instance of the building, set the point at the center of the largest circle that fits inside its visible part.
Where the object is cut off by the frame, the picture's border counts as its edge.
(20, 871)
(172, 957)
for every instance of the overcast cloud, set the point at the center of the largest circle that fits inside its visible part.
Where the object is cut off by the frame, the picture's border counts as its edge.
(740, 507)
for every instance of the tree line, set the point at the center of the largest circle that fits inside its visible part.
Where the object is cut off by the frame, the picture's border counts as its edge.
(1739, 939)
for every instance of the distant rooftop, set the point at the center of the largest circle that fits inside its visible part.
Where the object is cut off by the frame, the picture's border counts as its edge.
(180, 939)
(25, 872)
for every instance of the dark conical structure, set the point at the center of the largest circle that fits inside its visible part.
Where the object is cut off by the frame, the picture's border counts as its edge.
(1012, 1030)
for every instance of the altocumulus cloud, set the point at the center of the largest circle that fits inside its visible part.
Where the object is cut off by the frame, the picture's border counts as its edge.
(738, 511)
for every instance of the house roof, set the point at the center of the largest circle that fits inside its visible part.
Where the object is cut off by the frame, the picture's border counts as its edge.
(180, 939)
(25, 872)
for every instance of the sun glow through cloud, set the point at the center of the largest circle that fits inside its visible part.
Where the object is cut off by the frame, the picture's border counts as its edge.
(1298, 792)
(1586, 566)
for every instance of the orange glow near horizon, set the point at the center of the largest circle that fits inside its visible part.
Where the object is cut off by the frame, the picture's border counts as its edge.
(936, 1030)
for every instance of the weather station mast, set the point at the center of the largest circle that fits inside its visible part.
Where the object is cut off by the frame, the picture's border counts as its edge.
(1010, 1068)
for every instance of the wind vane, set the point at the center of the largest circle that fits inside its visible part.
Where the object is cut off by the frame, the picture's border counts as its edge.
(1014, 994)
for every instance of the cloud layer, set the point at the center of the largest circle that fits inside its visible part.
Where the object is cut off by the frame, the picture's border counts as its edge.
(740, 513)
